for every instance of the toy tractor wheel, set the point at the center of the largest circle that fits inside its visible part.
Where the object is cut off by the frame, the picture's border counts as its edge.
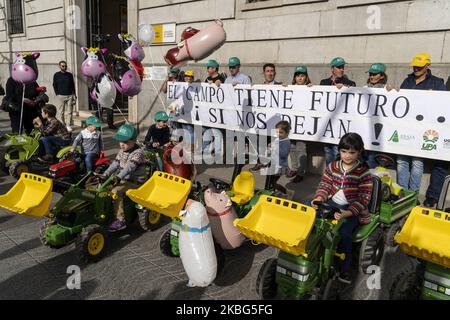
(43, 230)
(406, 286)
(371, 250)
(392, 231)
(266, 286)
(19, 167)
(385, 192)
(165, 246)
(91, 243)
(149, 220)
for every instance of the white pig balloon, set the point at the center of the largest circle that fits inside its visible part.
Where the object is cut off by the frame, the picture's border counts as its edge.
(197, 246)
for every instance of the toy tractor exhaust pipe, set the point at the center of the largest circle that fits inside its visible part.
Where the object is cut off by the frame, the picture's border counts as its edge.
(31, 196)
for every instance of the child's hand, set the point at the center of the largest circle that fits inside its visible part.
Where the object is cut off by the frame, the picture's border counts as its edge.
(343, 214)
(313, 203)
(155, 144)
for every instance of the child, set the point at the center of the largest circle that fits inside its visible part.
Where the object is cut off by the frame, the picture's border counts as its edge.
(159, 133)
(279, 151)
(158, 136)
(347, 184)
(91, 142)
(55, 133)
(129, 168)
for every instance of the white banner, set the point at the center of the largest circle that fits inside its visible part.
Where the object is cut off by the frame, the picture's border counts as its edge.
(409, 122)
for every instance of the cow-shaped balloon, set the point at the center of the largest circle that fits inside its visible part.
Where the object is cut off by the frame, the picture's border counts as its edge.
(93, 65)
(104, 91)
(132, 49)
(126, 79)
(25, 68)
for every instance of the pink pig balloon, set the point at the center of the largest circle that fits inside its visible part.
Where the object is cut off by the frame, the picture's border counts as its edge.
(93, 65)
(25, 69)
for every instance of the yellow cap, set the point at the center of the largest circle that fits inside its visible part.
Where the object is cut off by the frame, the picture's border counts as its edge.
(189, 73)
(420, 60)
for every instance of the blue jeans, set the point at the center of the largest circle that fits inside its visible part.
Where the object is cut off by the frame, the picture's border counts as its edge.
(346, 232)
(438, 174)
(50, 141)
(371, 159)
(409, 178)
(331, 153)
(210, 134)
(89, 160)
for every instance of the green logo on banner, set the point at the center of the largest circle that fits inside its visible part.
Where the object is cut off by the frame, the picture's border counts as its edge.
(394, 137)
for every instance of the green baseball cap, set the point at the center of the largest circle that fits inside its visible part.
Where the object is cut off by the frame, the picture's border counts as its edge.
(377, 68)
(301, 69)
(212, 64)
(161, 116)
(126, 132)
(234, 61)
(174, 70)
(337, 62)
(93, 121)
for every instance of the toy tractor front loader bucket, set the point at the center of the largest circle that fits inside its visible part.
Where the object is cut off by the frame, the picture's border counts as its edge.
(426, 235)
(31, 196)
(280, 223)
(163, 192)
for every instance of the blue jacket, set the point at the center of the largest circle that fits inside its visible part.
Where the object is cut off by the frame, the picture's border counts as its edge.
(430, 83)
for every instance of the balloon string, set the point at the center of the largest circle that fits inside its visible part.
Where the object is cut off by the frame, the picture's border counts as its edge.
(21, 110)
(101, 127)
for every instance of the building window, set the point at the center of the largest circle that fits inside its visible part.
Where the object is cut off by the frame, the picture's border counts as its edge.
(15, 17)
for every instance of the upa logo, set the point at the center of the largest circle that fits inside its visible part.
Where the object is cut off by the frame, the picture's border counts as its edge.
(430, 138)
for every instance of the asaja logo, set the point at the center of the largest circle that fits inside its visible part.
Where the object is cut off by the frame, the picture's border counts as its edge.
(394, 137)
(430, 138)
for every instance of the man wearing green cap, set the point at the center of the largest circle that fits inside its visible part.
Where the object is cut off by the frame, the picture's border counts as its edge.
(91, 142)
(174, 75)
(236, 76)
(129, 169)
(212, 67)
(338, 79)
(410, 169)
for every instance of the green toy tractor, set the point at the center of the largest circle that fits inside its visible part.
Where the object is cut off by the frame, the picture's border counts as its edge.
(19, 153)
(82, 215)
(426, 237)
(306, 265)
(390, 190)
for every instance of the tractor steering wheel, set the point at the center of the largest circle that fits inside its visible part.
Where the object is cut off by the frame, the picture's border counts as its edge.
(327, 210)
(385, 161)
(220, 185)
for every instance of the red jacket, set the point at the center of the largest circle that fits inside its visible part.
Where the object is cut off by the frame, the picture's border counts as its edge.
(356, 184)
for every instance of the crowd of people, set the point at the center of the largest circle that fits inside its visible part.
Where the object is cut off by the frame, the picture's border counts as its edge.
(409, 169)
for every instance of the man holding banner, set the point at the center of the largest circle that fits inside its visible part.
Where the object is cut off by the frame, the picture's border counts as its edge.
(422, 79)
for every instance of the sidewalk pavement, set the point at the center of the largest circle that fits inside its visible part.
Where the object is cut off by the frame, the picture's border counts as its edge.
(134, 267)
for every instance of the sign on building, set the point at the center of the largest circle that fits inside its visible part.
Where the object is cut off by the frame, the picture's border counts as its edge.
(164, 33)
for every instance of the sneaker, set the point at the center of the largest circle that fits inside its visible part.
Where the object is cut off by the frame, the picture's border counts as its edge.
(46, 158)
(257, 167)
(69, 129)
(345, 277)
(429, 202)
(117, 225)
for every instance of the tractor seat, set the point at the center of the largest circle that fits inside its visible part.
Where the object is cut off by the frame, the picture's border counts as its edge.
(243, 188)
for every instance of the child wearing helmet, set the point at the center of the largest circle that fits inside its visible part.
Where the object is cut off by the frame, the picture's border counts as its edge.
(129, 168)
(91, 142)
